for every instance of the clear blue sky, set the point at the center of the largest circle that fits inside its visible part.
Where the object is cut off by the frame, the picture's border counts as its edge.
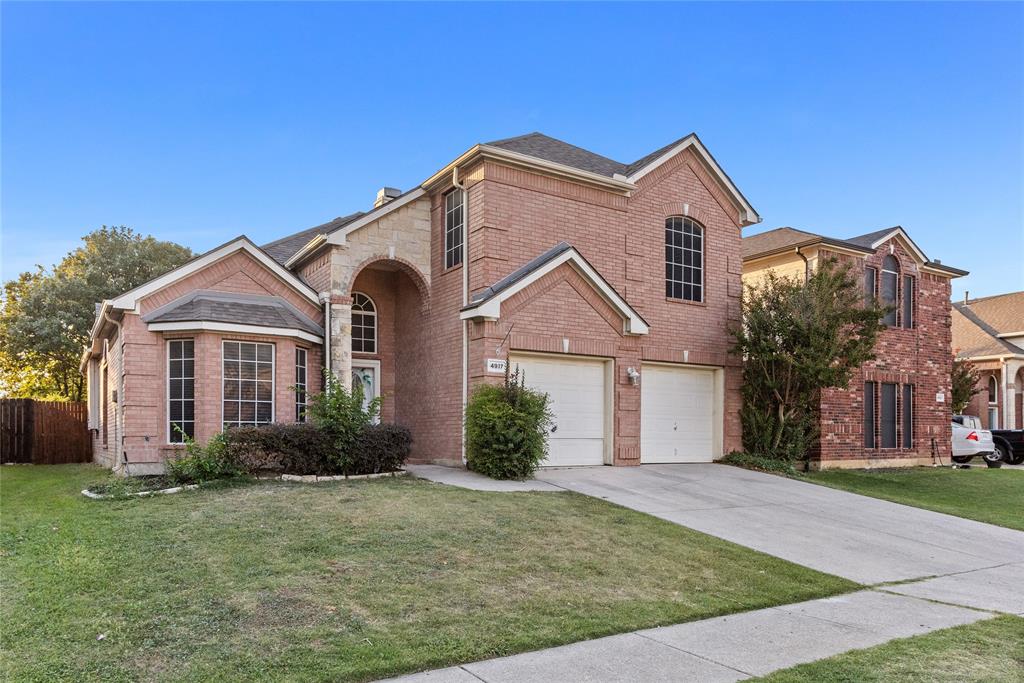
(196, 122)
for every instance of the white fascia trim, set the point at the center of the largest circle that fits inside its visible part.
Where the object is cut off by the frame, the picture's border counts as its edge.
(749, 215)
(491, 309)
(339, 235)
(310, 246)
(130, 299)
(1004, 335)
(208, 326)
(1001, 357)
(900, 232)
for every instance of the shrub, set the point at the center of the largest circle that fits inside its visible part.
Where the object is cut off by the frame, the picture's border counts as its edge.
(296, 448)
(203, 463)
(759, 463)
(380, 448)
(341, 414)
(507, 429)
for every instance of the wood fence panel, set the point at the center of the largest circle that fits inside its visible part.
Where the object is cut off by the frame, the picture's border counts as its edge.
(44, 432)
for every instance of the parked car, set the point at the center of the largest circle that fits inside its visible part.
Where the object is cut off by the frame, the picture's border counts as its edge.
(1010, 444)
(970, 440)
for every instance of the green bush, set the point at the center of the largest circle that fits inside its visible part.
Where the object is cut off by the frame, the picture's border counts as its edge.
(759, 462)
(380, 448)
(340, 413)
(203, 463)
(507, 429)
(294, 448)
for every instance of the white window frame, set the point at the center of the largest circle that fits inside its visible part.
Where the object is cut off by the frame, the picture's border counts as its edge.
(301, 388)
(273, 385)
(670, 282)
(167, 389)
(993, 406)
(455, 250)
(896, 298)
(373, 315)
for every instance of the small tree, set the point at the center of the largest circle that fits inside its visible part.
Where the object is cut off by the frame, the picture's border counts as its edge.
(965, 384)
(797, 339)
(341, 413)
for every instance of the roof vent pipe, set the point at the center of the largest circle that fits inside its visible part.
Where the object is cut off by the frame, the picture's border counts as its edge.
(385, 195)
(967, 294)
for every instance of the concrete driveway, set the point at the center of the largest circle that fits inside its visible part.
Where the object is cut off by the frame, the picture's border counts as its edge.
(863, 539)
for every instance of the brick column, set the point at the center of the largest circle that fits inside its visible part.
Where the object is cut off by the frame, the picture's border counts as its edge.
(1010, 369)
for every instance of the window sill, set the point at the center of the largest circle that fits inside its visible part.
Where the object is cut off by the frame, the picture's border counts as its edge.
(671, 300)
(457, 266)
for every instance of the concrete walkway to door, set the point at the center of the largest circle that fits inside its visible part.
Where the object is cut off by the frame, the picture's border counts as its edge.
(954, 571)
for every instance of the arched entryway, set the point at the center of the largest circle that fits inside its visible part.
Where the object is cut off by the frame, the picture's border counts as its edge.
(389, 337)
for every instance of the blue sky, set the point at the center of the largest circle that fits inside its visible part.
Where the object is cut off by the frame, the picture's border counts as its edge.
(196, 122)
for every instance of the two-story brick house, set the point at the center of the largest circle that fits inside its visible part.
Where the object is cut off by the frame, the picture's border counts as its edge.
(611, 285)
(896, 411)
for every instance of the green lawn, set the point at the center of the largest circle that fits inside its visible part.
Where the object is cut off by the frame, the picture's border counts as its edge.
(995, 496)
(990, 651)
(342, 581)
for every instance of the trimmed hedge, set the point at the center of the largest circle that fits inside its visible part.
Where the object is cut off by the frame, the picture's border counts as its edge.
(380, 448)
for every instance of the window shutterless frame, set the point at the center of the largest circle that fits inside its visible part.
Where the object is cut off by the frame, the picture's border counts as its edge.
(890, 289)
(232, 362)
(684, 259)
(364, 324)
(301, 357)
(454, 227)
(887, 416)
(869, 414)
(907, 318)
(908, 416)
(180, 389)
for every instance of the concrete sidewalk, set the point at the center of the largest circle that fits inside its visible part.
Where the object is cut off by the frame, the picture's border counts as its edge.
(729, 648)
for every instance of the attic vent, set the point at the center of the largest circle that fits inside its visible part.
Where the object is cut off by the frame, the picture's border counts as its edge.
(385, 195)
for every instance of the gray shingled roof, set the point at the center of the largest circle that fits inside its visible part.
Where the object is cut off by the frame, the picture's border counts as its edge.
(239, 309)
(870, 238)
(777, 240)
(283, 249)
(550, 149)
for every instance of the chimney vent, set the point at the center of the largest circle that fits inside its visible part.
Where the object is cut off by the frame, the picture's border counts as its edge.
(385, 195)
(967, 294)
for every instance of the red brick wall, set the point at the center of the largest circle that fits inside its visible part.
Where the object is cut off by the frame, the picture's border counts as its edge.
(920, 356)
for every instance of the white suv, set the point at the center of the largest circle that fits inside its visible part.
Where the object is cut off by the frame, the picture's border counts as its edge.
(969, 440)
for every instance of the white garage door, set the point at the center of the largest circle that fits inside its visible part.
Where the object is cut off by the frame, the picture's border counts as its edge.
(677, 414)
(577, 391)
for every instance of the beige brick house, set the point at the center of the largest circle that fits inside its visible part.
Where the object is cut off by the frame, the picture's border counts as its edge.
(989, 332)
(611, 284)
(896, 411)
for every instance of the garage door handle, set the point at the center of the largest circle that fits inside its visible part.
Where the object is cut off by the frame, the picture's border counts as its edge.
(675, 426)
(554, 429)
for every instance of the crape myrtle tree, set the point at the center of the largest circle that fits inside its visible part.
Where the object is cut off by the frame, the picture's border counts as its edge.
(965, 380)
(46, 316)
(797, 339)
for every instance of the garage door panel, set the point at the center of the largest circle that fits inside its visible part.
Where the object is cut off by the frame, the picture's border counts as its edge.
(677, 414)
(577, 397)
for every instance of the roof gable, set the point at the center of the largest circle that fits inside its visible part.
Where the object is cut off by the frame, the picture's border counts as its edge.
(281, 250)
(487, 304)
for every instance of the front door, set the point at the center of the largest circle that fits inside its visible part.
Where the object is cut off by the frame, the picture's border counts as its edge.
(367, 376)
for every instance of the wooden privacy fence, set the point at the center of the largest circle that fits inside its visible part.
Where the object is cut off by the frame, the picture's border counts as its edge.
(44, 432)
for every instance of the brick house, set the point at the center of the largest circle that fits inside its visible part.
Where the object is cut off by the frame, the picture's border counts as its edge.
(611, 285)
(989, 332)
(896, 411)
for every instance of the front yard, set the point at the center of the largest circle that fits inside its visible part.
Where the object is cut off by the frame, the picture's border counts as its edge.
(343, 581)
(995, 496)
(990, 651)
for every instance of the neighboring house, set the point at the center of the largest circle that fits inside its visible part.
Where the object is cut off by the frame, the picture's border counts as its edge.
(611, 285)
(990, 333)
(896, 410)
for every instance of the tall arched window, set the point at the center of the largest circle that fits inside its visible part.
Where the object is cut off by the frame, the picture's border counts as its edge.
(684, 259)
(890, 287)
(993, 402)
(364, 324)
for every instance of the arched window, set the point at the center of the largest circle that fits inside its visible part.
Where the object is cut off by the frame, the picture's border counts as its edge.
(993, 402)
(890, 287)
(364, 324)
(684, 259)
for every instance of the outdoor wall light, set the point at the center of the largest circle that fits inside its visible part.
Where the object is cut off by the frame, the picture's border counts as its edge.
(634, 376)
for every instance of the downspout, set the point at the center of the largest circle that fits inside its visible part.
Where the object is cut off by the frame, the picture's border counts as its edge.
(121, 462)
(465, 300)
(327, 331)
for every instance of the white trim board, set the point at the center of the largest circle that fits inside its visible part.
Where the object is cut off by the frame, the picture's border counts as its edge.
(208, 326)
(490, 309)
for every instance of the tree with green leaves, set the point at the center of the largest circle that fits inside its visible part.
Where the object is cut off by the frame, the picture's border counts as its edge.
(965, 384)
(45, 317)
(797, 339)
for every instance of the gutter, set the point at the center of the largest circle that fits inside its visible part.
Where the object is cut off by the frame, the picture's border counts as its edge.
(465, 300)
